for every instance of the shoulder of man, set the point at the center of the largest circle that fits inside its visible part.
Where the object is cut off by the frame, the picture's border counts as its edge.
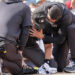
(24, 5)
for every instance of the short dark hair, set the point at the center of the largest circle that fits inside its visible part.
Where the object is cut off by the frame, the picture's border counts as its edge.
(55, 12)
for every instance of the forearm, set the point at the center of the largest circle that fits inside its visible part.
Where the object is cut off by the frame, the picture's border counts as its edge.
(24, 37)
(48, 51)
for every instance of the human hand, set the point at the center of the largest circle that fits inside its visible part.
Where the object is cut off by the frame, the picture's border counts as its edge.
(37, 34)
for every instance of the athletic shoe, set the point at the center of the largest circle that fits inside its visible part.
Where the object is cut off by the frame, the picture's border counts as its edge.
(70, 68)
(47, 69)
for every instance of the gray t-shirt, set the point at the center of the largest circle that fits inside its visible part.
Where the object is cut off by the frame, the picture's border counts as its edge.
(13, 18)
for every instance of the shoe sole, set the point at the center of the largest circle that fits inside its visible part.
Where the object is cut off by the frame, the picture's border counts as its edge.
(70, 71)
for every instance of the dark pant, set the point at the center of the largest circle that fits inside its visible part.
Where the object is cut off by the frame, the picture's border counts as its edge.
(71, 39)
(12, 59)
(60, 53)
(35, 54)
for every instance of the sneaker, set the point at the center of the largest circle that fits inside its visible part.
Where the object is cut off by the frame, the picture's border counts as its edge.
(71, 63)
(70, 68)
(47, 69)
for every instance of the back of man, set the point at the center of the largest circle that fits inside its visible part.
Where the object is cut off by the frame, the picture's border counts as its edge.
(11, 15)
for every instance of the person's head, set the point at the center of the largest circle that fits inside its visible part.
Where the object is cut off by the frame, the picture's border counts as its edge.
(54, 13)
(34, 7)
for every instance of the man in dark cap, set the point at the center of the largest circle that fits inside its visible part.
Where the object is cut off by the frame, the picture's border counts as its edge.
(15, 22)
